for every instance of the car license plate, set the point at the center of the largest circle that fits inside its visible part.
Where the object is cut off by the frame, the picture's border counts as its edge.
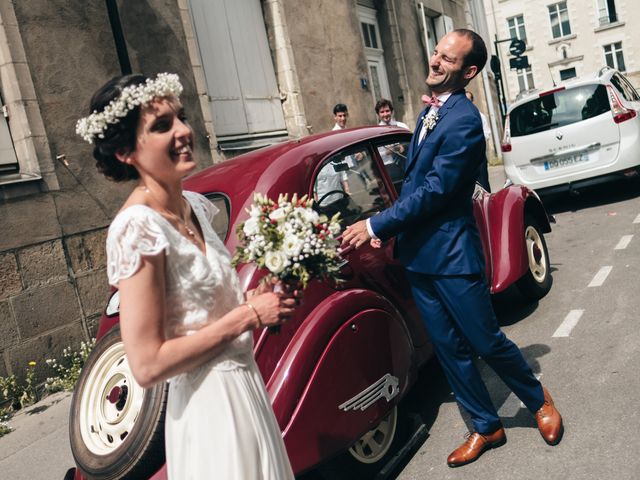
(566, 161)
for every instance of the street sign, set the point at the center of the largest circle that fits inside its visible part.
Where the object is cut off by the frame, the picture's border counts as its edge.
(517, 47)
(519, 63)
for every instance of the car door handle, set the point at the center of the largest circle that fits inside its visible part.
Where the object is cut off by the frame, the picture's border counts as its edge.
(344, 251)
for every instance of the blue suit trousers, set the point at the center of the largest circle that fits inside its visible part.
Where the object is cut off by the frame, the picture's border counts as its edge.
(460, 320)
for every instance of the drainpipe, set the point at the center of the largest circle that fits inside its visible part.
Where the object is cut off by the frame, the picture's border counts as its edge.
(398, 53)
(118, 37)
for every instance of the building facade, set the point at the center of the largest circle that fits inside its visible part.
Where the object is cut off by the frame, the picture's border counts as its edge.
(565, 39)
(255, 72)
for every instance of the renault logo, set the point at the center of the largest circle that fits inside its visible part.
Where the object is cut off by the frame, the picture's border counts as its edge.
(559, 135)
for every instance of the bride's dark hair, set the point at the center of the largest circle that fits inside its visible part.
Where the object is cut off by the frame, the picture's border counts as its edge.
(118, 137)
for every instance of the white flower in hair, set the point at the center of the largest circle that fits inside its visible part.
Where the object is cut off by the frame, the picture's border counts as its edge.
(164, 85)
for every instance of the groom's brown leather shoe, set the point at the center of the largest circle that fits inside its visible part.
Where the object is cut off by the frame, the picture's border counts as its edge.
(475, 445)
(549, 421)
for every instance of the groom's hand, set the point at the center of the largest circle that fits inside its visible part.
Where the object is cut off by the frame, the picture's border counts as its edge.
(357, 234)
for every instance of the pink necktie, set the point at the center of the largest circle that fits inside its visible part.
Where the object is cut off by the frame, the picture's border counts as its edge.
(432, 101)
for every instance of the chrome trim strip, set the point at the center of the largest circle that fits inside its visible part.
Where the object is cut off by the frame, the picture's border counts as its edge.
(565, 153)
(386, 387)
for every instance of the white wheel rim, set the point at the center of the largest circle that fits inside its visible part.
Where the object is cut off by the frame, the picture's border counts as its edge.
(110, 403)
(535, 252)
(374, 444)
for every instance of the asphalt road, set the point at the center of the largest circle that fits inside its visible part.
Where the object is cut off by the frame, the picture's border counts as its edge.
(582, 340)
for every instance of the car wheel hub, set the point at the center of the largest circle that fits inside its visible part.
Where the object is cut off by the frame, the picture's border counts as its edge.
(374, 444)
(535, 249)
(110, 403)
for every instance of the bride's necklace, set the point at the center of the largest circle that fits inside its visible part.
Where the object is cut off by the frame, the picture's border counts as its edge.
(191, 234)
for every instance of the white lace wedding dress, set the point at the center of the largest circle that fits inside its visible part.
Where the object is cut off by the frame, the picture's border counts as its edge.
(219, 421)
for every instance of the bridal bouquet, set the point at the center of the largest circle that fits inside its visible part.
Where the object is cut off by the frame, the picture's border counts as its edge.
(290, 239)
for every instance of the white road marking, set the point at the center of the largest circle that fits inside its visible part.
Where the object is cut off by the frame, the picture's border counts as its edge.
(637, 220)
(601, 276)
(624, 242)
(570, 321)
(512, 404)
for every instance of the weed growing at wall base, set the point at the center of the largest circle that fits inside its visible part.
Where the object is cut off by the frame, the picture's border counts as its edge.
(17, 395)
(67, 370)
(4, 427)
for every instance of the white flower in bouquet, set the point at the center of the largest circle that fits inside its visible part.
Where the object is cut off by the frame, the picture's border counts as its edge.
(278, 215)
(291, 245)
(251, 226)
(255, 211)
(290, 239)
(275, 261)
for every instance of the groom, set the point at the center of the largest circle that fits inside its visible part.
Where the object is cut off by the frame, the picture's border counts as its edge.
(439, 245)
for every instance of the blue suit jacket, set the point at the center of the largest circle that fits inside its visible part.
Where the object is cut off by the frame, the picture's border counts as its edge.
(433, 218)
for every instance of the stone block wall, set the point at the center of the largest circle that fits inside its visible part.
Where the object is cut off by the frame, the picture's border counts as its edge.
(51, 297)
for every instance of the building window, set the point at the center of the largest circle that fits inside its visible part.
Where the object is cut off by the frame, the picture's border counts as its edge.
(369, 35)
(613, 56)
(567, 73)
(607, 12)
(374, 52)
(516, 28)
(525, 79)
(559, 17)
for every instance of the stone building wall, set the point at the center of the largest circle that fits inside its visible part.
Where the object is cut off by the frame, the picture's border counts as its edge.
(52, 262)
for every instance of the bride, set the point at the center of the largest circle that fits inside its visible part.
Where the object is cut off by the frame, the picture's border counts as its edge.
(183, 316)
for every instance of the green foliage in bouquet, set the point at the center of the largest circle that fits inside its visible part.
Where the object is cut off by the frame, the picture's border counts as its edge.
(290, 239)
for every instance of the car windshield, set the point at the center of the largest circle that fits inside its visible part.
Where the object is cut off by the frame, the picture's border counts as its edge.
(558, 109)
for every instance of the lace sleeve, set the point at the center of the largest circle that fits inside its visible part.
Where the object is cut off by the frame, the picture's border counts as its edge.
(133, 233)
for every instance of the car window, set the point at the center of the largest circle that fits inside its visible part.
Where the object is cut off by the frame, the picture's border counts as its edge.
(349, 183)
(558, 109)
(221, 219)
(625, 88)
(393, 157)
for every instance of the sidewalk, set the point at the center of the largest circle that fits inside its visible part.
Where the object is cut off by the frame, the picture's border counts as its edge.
(38, 447)
(496, 177)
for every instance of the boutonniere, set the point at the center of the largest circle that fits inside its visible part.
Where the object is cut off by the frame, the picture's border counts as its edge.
(429, 121)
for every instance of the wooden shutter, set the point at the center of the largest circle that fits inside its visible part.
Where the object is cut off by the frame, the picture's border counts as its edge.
(239, 72)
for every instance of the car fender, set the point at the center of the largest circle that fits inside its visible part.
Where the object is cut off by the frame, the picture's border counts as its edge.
(347, 366)
(507, 210)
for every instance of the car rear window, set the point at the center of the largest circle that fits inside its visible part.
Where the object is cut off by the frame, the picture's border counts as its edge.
(221, 220)
(558, 109)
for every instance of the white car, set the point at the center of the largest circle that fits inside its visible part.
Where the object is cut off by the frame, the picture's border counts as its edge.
(582, 132)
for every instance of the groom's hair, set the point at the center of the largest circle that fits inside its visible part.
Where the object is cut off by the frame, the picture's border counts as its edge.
(478, 54)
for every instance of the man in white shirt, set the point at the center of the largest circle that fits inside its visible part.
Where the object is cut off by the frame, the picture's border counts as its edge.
(340, 115)
(384, 110)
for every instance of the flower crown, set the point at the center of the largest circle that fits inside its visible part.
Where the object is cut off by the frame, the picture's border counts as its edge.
(133, 96)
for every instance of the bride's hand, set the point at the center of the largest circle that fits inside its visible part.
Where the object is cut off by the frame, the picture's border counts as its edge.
(273, 308)
(263, 287)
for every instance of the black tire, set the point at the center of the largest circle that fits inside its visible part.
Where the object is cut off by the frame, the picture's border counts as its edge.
(360, 462)
(116, 427)
(536, 283)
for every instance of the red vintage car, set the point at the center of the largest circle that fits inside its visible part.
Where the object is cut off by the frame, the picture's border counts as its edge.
(337, 371)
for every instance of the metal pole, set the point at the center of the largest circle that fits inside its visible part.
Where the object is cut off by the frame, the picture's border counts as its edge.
(118, 37)
(503, 105)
